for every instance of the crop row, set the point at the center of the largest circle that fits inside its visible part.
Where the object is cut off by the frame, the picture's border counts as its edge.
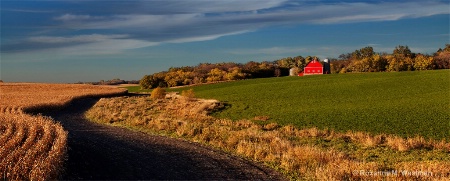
(32, 147)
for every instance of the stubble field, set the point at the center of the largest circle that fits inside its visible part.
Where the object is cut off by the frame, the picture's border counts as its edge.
(33, 147)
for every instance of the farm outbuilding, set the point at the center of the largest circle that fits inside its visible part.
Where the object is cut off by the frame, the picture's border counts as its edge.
(313, 67)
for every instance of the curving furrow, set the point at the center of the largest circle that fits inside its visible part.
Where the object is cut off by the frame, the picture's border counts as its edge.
(55, 152)
(11, 109)
(32, 147)
(42, 149)
(22, 162)
(10, 148)
(9, 127)
(15, 157)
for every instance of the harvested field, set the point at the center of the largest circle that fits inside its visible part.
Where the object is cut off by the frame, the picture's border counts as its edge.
(18, 97)
(33, 147)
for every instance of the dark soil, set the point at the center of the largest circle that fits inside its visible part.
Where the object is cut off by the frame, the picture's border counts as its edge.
(99, 152)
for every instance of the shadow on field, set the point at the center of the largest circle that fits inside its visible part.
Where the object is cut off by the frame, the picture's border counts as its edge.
(104, 152)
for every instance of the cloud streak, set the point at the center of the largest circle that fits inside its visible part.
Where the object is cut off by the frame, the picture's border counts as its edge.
(155, 22)
(75, 39)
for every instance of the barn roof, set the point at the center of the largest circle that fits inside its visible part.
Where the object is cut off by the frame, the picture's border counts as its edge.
(314, 63)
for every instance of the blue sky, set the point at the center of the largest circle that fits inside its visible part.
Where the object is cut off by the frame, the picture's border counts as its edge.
(70, 41)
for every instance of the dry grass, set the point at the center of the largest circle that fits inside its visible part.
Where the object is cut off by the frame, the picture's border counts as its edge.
(33, 147)
(158, 93)
(188, 94)
(307, 153)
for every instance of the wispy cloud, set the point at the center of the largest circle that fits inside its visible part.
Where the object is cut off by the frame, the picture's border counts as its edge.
(204, 38)
(71, 17)
(105, 47)
(155, 22)
(75, 39)
(28, 10)
(234, 17)
(268, 51)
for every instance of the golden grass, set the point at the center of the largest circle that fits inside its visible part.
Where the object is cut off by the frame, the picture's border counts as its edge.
(301, 153)
(188, 94)
(158, 93)
(33, 147)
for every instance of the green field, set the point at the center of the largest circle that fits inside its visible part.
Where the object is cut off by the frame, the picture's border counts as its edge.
(400, 103)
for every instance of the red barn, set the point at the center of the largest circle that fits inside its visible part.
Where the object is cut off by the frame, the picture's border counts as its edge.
(313, 67)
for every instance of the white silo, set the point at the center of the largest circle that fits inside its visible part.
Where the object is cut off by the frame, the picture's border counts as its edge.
(292, 72)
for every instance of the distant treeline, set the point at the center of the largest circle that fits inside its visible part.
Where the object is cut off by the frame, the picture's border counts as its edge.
(362, 60)
(116, 81)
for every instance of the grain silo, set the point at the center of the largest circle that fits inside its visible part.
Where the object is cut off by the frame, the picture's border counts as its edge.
(326, 67)
(293, 71)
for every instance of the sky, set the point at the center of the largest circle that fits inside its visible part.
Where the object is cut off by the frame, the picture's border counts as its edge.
(83, 40)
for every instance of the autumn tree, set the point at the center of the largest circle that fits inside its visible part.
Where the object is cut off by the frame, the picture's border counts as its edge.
(394, 64)
(145, 82)
(422, 62)
(235, 73)
(300, 61)
(152, 81)
(362, 53)
(362, 60)
(441, 58)
(288, 62)
(250, 67)
(308, 59)
(347, 56)
(362, 65)
(379, 63)
(402, 51)
(216, 75)
(401, 59)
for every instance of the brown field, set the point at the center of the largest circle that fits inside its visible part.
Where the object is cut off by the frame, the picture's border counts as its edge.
(17, 97)
(33, 147)
(310, 154)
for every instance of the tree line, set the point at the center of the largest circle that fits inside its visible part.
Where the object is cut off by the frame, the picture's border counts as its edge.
(115, 81)
(362, 60)
(401, 59)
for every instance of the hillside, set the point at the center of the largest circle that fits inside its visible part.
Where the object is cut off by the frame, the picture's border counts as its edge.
(400, 103)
